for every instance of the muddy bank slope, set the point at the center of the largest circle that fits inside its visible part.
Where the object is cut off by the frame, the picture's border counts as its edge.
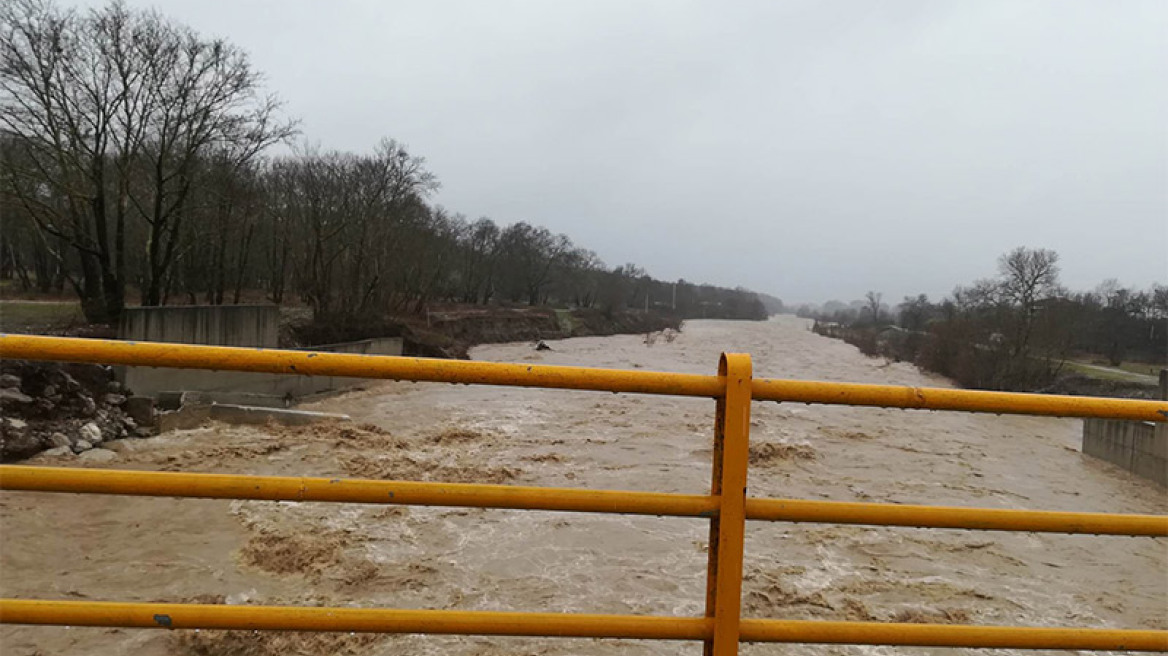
(451, 331)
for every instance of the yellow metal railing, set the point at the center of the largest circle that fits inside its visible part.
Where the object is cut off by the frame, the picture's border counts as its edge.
(726, 507)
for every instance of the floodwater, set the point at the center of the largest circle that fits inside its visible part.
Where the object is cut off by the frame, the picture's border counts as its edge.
(88, 547)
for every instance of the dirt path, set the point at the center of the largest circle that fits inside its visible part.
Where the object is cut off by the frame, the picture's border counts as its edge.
(240, 552)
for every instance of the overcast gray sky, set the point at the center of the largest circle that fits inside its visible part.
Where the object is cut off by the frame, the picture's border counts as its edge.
(808, 149)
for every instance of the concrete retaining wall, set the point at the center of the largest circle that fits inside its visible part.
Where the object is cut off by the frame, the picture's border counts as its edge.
(220, 325)
(1140, 447)
(280, 389)
(230, 325)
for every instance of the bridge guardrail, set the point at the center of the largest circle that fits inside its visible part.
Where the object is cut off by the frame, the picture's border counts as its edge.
(726, 508)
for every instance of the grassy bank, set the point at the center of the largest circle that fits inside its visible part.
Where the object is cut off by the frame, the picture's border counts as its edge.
(21, 316)
(982, 367)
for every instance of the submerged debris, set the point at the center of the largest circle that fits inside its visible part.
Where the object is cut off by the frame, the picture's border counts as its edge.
(771, 453)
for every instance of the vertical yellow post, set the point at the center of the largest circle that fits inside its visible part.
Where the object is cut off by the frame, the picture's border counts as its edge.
(731, 445)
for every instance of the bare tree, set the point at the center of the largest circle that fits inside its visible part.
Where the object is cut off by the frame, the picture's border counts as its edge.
(480, 252)
(530, 254)
(578, 278)
(115, 111)
(873, 305)
(915, 312)
(58, 103)
(361, 235)
(1027, 279)
(1029, 276)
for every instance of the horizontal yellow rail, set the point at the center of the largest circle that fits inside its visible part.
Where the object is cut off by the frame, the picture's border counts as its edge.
(976, 519)
(295, 488)
(189, 356)
(951, 635)
(383, 620)
(939, 398)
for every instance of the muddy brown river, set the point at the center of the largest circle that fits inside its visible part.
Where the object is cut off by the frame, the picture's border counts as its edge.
(60, 546)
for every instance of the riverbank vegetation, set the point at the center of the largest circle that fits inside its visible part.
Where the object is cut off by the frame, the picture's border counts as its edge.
(1019, 330)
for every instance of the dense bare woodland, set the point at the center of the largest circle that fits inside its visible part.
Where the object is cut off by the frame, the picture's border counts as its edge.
(138, 160)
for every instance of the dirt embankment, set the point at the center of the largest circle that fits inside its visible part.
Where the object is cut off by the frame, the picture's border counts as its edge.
(450, 331)
(462, 329)
(1081, 385)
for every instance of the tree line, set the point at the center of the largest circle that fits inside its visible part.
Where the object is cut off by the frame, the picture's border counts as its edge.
(136, 158)
(1012, 331)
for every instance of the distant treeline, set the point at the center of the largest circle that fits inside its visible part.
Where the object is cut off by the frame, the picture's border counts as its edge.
(1010, 332)
(133, 160)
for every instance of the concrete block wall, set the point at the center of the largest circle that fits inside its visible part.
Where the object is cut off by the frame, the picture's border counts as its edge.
(219, 325)
(230, 325)
(1140, 447)
(150, 381)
